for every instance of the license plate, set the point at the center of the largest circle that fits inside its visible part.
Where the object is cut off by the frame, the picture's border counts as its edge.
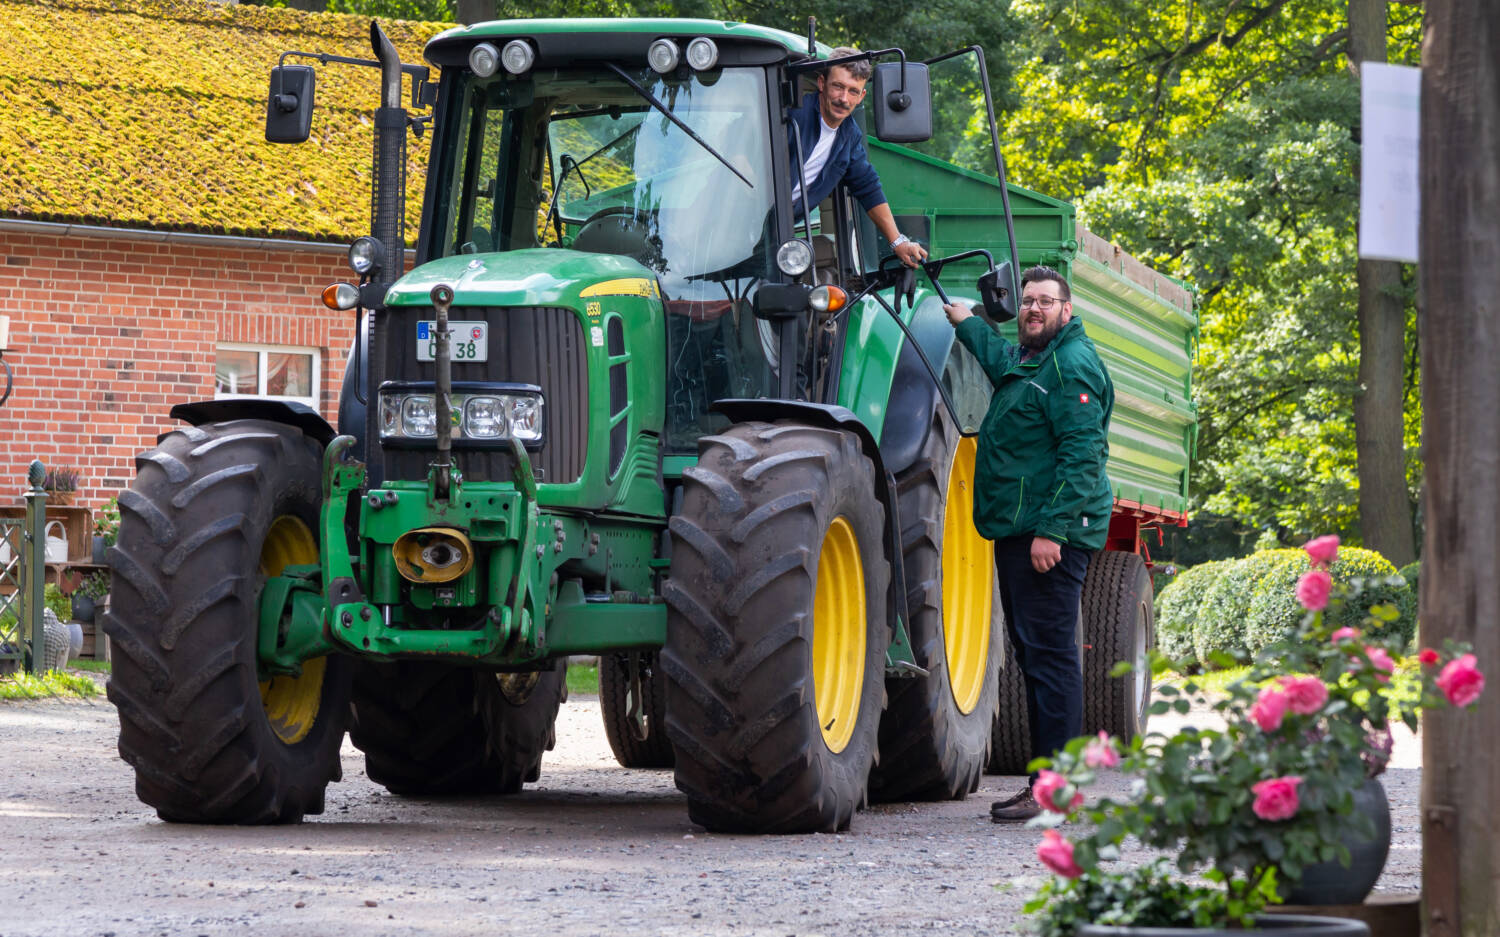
(467, 341)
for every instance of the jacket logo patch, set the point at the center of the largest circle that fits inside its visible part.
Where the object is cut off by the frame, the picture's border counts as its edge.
(1083, 398)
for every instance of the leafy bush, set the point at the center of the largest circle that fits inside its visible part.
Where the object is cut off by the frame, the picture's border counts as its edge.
(1382, 587)
(1177, 608)
(1275, 613)
(1220, 627)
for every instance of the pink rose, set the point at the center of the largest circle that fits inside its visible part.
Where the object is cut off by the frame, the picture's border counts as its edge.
(1428, 657)
(1313, 589)
(1056, 854)
(1304, 695)
(1269, 709)
(1100, 752)
(1276, 799)
(1381, 661)
(1344, 634)
(1322, 550)
(1461, 681)
(1047, 784)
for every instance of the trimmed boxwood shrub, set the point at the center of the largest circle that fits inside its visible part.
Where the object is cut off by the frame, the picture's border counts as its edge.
(1275, 612)
(1177, 609)
(1411, 572)
(1220, 625)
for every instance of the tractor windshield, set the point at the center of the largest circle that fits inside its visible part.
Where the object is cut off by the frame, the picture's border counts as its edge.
(580, 159)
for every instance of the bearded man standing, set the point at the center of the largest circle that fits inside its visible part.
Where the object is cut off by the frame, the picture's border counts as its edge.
(1042, 495)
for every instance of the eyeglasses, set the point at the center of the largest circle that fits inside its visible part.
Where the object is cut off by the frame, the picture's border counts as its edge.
(1043, 303)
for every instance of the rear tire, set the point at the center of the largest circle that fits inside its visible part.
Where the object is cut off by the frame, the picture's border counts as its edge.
(935, 733)
(438, 729)
(1119, 625)
(655, 750)
(776, 629)
(214, 509)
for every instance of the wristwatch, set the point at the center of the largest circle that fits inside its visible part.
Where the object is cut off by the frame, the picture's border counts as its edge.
(900, 239)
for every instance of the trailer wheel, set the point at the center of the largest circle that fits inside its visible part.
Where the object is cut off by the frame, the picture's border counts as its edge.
(213, 510)
(776, 629)
(431, 728)
(1010, 733)
(1119, 625)
(935, 733)
(655, 750)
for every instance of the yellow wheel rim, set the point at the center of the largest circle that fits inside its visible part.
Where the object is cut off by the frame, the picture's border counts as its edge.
(839, 635)
(291, 703)
(968, 591)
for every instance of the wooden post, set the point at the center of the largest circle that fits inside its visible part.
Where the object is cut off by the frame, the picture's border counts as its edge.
(1460, 582)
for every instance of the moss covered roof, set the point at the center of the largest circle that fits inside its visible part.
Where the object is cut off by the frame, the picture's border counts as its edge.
(151, 113)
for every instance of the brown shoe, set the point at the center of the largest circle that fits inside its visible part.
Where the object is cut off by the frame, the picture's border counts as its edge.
(1018, 809)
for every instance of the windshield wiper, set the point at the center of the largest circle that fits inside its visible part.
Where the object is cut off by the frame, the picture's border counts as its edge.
(641, 90)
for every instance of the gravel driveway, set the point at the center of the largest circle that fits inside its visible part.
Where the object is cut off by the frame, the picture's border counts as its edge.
(591, 849)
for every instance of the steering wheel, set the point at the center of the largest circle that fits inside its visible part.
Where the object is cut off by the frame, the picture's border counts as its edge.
(620, 229)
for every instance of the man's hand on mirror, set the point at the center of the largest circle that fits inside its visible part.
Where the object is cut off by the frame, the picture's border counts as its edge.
(957, 312)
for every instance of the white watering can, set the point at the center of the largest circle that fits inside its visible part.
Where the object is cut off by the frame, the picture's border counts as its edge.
(57, 542)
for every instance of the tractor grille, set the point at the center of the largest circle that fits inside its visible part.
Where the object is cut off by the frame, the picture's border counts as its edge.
(528, 345)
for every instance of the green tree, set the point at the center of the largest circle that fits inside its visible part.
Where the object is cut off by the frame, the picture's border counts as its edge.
(1219, 139)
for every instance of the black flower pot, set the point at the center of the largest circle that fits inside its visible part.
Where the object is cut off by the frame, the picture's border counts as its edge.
(1285, 925)
(100, 551)
(83, 607)
(1329, 883)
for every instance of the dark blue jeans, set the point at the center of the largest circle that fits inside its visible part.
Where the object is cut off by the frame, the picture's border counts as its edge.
(1041, 620)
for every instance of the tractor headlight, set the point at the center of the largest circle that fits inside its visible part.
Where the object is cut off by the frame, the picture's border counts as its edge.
(483, 415)
(517, 57)
(663, 56)
(702, 53)
(418, 416)
(794, 257)
(366, 254)
(484, 59)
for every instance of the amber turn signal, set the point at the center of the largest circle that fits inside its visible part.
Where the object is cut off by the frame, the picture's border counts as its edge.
(827, 299)
(340, 296)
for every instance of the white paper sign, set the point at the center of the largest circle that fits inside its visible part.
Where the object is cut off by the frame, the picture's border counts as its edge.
(1390, 189)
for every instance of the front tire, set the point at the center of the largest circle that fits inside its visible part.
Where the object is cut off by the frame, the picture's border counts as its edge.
(776, 629)
(1119, 625)
(935, 734)
(215, 509)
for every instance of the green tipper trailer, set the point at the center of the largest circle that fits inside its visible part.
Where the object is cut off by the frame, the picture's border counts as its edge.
(631, 403)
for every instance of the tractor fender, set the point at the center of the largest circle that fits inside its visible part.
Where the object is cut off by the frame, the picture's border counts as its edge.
(833, 416)
(287, 412)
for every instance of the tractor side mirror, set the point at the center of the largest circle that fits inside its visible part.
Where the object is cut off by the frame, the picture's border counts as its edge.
(289, 106)
(903, 109)
(997, 290)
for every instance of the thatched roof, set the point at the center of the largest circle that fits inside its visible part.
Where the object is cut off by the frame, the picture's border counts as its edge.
(150, 114)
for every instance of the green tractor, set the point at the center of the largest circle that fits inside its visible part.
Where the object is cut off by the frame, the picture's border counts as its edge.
(630, 402)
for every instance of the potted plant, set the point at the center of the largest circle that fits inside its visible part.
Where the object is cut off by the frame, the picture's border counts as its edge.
(1250, 807)
(61, 484)
(106, 529)
(90, 595)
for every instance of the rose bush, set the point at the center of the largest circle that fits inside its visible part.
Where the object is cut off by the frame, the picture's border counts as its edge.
(1250, 805)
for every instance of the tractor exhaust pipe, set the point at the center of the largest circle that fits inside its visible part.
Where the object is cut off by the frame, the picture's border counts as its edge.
(387, 212)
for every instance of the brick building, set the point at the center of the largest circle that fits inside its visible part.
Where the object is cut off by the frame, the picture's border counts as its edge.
(153, 248)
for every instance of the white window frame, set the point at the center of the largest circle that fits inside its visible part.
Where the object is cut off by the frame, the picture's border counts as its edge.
(262, 351)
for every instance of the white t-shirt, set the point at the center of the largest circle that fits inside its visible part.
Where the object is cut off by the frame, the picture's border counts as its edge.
(818, 157)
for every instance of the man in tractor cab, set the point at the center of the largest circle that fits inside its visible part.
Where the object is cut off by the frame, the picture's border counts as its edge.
(833, 150)
(1042, 495)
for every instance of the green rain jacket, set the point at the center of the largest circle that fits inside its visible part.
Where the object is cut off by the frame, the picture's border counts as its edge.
(1045, 440)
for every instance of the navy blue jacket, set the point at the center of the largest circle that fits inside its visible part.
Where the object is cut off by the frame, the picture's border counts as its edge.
(848, 160)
